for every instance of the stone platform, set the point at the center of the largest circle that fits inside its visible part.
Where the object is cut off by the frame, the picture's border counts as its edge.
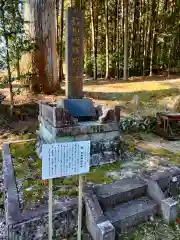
(125, 203)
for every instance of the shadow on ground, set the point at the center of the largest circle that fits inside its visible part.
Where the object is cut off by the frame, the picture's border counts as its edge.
(124, 96)
(103, 81)
(25, 118)
(24, 121)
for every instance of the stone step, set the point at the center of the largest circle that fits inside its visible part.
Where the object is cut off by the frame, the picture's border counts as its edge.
(120, 191)
(128, 215)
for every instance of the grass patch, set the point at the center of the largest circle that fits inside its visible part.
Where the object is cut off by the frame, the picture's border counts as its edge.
(154, 230)
(174, 158)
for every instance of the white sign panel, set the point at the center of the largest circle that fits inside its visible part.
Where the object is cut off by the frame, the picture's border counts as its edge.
(65, 159)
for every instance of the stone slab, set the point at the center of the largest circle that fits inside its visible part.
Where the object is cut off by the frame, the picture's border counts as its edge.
(169, 210)
(93, 212)
(99, 227)
(79, 108)
(120, 191)
(34, 224)
(56, 116)
(164, 177)
(12, 207)
(155, 192)
(80, 129)
(130, 214)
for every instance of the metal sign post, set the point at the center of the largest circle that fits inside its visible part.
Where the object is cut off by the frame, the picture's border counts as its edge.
(80, 206)
(50, 210)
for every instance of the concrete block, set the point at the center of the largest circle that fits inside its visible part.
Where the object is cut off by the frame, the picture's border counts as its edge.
(128, 215)
(98, 226)
(106, 231)
(164, 177)
(169, 210)
(112, 135)
(120, 191)
(82, 137)
(98, 136)
(155, 192)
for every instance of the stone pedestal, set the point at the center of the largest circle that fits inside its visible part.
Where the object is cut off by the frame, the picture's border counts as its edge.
(78, 120)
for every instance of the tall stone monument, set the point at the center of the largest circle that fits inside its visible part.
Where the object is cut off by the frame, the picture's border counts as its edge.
(74, 52)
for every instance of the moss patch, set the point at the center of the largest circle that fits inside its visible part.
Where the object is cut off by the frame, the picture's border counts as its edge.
(174, 158)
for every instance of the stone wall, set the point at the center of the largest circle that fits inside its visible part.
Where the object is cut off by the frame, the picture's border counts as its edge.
(34, 224)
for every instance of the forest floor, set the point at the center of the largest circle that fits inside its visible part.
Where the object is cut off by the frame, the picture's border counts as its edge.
(154, 94)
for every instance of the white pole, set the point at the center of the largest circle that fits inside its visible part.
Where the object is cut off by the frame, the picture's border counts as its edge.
(50, 209)
(80, 206)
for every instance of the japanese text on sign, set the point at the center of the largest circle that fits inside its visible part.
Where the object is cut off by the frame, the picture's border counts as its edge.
(65, 159)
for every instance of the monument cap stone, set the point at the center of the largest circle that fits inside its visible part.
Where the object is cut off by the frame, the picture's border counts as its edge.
(79, 108)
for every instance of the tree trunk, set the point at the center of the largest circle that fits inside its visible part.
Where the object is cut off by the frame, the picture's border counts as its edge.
(135, 43)
(61, 75)
(18, 69)
(93, 41)
(118, 38)
(17, 65)
(107, 40)
(45, 57)
(170, 55)
(155, 9)
(125, 40)
(145, 33)
(7, 60)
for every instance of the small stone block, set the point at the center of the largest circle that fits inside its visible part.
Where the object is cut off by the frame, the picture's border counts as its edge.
(130, 214)
(98, 136)
(112, 135)
(120, 191)
(155, 192)
(84, 137)
(106, 231)
(169, 210)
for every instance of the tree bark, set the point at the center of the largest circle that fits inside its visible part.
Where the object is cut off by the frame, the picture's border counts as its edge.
(155, 9)
(7, 59)
(93, 40)
(118, 38)
(45, 57)
(61, 75)
(125, 40)
(135, 43)
(145, 33)
(107, 40)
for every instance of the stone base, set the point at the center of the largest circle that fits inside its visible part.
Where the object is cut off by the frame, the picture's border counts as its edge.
(105, 147)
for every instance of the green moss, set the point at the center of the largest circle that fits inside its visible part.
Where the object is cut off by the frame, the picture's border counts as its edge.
(21, 151)
(97, 174)
(174, 158)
